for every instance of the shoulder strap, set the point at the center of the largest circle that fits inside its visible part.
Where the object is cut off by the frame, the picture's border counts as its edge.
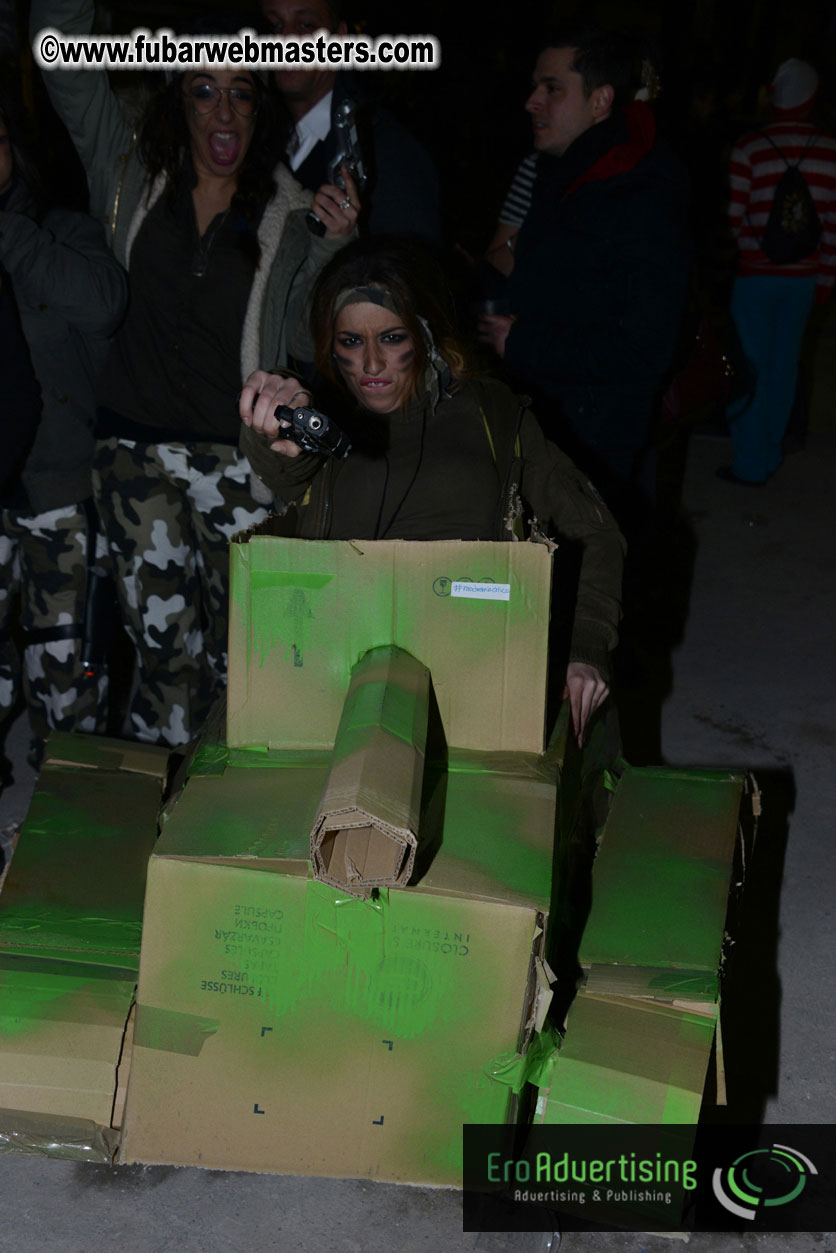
(509, 475)
(787, 162)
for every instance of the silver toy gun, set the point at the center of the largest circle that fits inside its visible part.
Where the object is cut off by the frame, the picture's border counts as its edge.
(348, 154)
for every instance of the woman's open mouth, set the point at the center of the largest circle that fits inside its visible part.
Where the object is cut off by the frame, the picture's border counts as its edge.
(225, 147)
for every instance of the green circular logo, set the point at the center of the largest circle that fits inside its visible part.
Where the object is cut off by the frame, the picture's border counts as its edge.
(762, 1178)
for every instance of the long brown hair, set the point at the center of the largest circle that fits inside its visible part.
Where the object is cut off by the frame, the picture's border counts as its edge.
(164, 144)
(416, 284)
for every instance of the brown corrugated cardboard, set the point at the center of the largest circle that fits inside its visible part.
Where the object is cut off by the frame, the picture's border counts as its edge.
(286, 1026)
(366, 830)
(89, 811)
(661, 885)
(303, 612)
(99, 752)
(61, 1032)
(70, 920)
(627, 1060)
(639, 1035)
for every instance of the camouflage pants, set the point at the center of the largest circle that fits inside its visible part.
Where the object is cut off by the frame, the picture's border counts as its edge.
(169, 511)
(43, 575)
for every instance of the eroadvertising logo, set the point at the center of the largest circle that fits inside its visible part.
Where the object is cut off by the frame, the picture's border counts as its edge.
(762, 1178)
(650, 1177)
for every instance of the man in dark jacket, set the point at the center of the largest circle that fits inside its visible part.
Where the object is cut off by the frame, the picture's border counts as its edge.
(402, 195)
(600, 266)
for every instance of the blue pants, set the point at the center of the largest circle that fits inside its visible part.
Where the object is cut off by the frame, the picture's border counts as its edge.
(770, 313)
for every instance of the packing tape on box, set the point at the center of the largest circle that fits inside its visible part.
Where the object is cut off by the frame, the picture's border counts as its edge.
(525, 765)
(336, 922)
(53, 1135)
(61, 927)
(652, 981)
(171, 1031)
(535, 1066)
(346, 952)
(213, 759)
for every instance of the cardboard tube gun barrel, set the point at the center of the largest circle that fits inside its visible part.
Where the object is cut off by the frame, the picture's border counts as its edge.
(366, 831)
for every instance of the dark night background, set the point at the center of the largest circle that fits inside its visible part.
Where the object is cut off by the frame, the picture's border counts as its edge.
(469, 113)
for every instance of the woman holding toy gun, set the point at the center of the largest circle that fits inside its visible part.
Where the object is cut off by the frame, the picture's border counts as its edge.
(437, 452)
(211, 228)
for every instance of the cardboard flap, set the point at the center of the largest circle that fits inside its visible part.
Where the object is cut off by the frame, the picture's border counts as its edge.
(625, 1060)
(61, 1039)
(303, 611)
(660, 884)
(366, 831)
(98, 752)
(76, 882)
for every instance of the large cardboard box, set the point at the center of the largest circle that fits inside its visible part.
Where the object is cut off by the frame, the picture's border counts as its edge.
(70, 922)
(640, 1033)
(303, 612)
(285, 1026)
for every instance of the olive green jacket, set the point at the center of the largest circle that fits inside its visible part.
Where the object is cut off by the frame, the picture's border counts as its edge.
(539, 483)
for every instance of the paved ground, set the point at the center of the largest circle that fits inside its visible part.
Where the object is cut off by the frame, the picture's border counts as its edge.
(753, 686)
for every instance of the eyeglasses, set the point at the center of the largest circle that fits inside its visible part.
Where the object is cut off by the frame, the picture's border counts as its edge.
(205, 98)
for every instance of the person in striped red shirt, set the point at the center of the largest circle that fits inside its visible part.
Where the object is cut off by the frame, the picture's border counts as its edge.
(771, 300)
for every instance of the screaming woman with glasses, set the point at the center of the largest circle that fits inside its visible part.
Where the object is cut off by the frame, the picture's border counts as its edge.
(211, 228)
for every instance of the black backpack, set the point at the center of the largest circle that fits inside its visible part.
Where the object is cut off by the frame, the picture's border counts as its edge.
(793, 227)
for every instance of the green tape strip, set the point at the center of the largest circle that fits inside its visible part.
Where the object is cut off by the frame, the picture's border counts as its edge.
(541, 1057)
(278, 759)
(508, 1069)
(336, 922)
(171, 1031)
(525, 765)
(209, 759)
(353, 968)
(535, 1066)
(58, 926)
(213, 759)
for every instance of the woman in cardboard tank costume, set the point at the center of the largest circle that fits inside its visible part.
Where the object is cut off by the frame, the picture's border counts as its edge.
(436, 451)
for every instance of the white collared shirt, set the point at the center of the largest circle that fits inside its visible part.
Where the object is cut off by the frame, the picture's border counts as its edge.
(310, 129)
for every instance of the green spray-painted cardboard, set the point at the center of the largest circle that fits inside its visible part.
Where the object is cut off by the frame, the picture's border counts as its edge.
(369, 818)
(661, 884)
(629, 1060)
(326, 1034)
(77, 879)
(303, 612)
(61, 1031)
